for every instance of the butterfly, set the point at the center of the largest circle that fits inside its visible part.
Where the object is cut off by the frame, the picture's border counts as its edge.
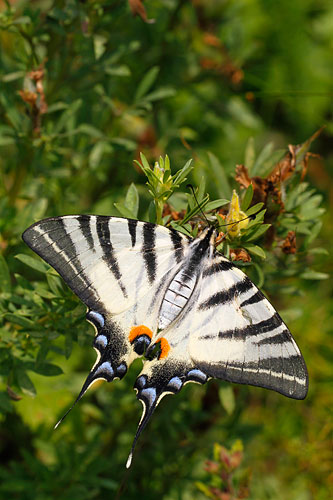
(154, 291)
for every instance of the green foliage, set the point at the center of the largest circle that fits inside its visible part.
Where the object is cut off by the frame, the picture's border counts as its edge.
(85, 87)
(227, 480)
(162, 184)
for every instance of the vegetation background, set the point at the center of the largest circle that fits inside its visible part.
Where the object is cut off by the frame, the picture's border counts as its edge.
(85, 86)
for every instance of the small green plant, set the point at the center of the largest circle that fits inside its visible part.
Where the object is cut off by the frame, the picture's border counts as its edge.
(227, 478)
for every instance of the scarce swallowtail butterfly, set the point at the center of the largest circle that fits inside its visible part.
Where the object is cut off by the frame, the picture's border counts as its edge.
(155, 292)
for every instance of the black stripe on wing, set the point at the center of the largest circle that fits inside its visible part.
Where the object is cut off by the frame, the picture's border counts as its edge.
(51, 241)
(177, 242)
(264, 326)
(149, 250)
(109, 257)
(279, 338)
(228, 295)
(217, 267)
(132, 225)
(286, 375)
(267, 357)
(257, 297)
(84, 222)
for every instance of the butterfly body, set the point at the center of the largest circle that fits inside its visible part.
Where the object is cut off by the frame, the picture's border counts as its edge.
(153, 291)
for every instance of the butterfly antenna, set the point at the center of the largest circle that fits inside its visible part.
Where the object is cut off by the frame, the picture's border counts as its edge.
(189, 186)
(251, 217)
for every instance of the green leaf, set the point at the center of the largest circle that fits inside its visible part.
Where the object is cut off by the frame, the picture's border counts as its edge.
(126, 143)
(211, 205)
(97, 152)
(47, 369)
(146, 83)
(5, 402)
(38, 334)
(125, 212)
(247, 198)
(43, 351)
(99, 45)
(254, 209)
(132, 200)
(36, 264)
(152, 212)
(309, 274)
(250, 154)
(255, 232)
(182, 174)
(227, 398)
(255, 250)
(186, 229)
(260, 275)
(68, 345)
(161, 93)
(263, 156)
(223, 186)
(22, 20)
(312, 235)
(20, 320)
(7, 141)
(54, 282)
(144, 162)
(67, 115)
(10, 77)
(121, 70)
(291, 314)
(5, 284)
(25, 382)
(205, 490)
(195, 210)
(318, 251)
(242, 113)
(90, 130)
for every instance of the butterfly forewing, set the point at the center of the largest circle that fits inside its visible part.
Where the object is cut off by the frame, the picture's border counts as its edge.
(108, 262)
(119, 269)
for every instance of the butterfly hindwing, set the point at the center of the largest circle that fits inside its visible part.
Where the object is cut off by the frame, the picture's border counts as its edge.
(245, 340)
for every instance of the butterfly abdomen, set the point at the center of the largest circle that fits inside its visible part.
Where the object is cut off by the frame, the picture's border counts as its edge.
(176, 297)
(184, 282)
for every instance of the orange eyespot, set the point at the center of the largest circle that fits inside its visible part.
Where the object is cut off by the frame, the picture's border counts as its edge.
(136, 331)
(165, 348)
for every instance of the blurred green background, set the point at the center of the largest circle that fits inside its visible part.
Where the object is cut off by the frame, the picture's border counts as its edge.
(85, 86)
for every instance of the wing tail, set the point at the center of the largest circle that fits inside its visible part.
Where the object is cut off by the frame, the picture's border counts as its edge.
(149, 400)
(89, 381)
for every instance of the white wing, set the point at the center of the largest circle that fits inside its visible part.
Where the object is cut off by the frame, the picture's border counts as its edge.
(227, 330)
(241, 338)
(118, 268)
(108, 262)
